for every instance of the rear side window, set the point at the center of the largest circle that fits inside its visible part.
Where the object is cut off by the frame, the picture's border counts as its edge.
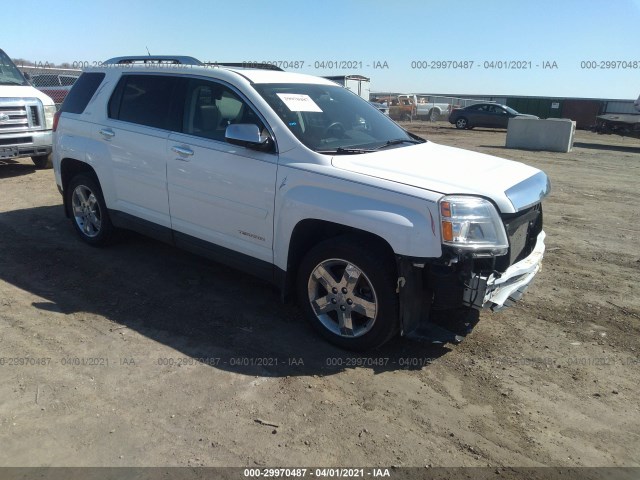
(147, 100)
(82, 92)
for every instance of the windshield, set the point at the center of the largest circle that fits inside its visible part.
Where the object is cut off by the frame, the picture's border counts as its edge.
(9, 74)
(331, 119)
(510, 110)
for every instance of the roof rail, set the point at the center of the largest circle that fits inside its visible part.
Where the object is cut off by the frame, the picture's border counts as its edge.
(257, 65)
(164, 59)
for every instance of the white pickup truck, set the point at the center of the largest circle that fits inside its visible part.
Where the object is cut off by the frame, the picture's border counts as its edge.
(373, 230)
(26, 117)
(626, 125)
(424, 108)
(428, 109)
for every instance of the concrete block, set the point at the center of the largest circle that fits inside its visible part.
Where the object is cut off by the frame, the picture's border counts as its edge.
(553, 134)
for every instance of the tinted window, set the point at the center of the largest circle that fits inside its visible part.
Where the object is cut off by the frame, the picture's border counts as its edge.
(210, 107)
(81, 92)
(145, 100)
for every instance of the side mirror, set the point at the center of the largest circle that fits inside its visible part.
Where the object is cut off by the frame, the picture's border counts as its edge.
(245, 135)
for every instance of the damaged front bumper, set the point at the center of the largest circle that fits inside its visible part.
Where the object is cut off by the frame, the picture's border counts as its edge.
(437, 302)
(499, 290)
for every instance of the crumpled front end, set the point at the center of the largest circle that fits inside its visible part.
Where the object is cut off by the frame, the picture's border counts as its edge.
(439, 297)
(498, 290)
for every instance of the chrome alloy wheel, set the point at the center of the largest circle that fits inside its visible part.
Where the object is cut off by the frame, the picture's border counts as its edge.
(86, 211)
(342, 298)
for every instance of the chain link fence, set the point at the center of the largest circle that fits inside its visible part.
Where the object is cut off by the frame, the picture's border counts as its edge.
(55, 82)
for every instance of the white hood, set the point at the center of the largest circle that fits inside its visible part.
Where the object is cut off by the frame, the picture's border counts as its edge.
(24, 91)
(442, 169)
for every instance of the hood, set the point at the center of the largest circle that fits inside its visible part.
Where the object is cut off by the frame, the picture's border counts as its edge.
(450, 170)
(526, 115)
(24, 91)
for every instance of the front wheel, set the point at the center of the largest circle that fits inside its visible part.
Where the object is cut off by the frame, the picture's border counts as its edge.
(42, 161)
(88, 210)
(347, 291)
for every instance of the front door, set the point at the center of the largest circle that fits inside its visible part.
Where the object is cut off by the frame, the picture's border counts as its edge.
(221, 196)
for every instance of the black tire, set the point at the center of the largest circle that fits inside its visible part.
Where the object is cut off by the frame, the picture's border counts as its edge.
(433, 115)
(374, 291)
(462, 123)
(42, 161)
(96, 230)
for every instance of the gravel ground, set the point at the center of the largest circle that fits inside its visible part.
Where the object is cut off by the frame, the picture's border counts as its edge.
(143, 355)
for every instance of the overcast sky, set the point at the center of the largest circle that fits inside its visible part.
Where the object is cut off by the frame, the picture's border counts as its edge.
(578, 40)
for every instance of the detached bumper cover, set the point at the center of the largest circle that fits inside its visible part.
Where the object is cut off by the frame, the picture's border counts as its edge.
(498, 291)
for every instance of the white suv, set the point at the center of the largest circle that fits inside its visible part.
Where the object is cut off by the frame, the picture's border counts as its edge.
(303, 183)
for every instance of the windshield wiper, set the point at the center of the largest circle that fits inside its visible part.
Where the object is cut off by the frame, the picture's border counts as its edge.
(397, 141)
(11, 83)
(352, 150)
(347, 150)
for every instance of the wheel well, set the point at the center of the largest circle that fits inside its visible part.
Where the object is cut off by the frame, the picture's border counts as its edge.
(69, 168)
(310, 232)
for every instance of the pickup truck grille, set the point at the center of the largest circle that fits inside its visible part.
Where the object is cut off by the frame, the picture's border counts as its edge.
(522, 231)
(20, 114)
(35, 118)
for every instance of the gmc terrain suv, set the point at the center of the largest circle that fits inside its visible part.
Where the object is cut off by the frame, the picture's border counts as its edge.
(301, 182)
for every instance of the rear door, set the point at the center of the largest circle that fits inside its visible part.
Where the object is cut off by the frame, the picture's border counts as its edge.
(482, 117)
(141, 112)
(221, 196)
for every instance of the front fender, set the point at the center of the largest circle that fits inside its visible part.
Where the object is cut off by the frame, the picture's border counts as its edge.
(408, 224)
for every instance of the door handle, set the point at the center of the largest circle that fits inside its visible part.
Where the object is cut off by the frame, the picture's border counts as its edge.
(182, 151)
(107, 133)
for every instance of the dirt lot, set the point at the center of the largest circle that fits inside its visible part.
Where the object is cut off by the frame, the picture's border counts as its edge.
(99, 347)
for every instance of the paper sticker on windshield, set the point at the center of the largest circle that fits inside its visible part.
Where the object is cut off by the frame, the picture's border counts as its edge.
(297, 102)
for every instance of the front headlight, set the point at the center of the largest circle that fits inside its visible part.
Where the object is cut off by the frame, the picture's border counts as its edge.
(472, 223)
(49, 112)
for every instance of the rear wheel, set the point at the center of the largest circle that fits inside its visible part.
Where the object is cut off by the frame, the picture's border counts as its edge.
(42, 161)
(462, 123)
(347, 291)
(88, 210)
